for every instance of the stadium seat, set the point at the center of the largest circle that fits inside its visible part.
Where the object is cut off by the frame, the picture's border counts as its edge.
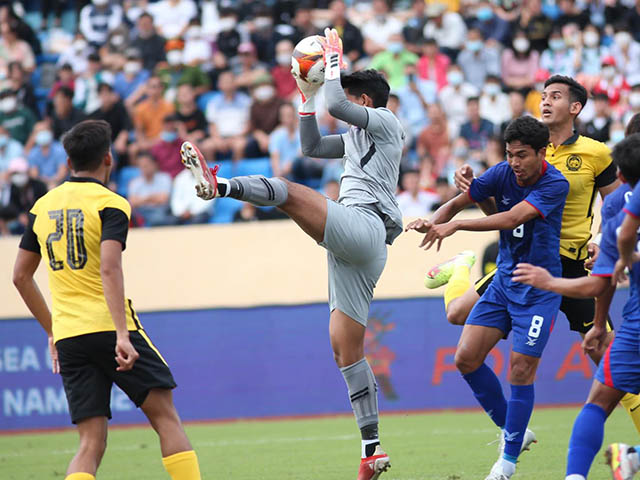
(224, 210)
(254, 166)
(124, 178)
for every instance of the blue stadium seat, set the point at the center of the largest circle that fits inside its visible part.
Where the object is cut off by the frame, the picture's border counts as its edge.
(224, 209)
(124, 178)
(203, 100)
(254, 166)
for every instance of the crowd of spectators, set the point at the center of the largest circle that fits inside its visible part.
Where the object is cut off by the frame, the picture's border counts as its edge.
(217, 73)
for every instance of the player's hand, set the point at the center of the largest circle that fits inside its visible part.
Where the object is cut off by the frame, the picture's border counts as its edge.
(619, 274)
(53, 352)
(420, 225)
(437, 233)
(529, 274)
(593, 251)
(126, 354)
(463, 178)
(306, 90)
(332, 45)
(594, 339)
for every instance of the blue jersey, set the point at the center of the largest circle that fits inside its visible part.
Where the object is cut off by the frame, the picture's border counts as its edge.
(632, 206)
(608, 257)
(614, 202)
(536, 241)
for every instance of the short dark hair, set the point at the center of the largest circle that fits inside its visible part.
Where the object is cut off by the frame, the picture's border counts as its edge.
(577, 93)
(633, 126)
(370, 82)
(626, 156)
(473, 100)
(65, 91)
(87, 143)
(528, 131)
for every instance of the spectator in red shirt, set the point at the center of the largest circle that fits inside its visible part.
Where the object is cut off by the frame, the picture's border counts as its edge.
(166, 151)
(433, 65)
(283, 80)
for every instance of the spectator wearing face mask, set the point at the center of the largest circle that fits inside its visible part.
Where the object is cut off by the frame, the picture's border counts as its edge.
(281, 73)
(454, 96)
(149, 193)
(433, 65)
(166, 150)
(15, 118)
(611, 83)
(536, 25)
(447, 28)
(558, 58)
(378, 31)
(98, 19)
(148, 42)
(494, 103)
(591, 54)
(598, 127)
(172, 17)
(478, 59)
(132, 76)
(178, 72)
(18, 197)
(626, 51)
(490, 25)
(9, 149)
(187, 208)
(197, 49)
(85, 93)
(77, 55)
(228, 38)
(47, 159)
(616, 134)
(263, 116)
(520, 62)
(634, 98)
(394, 61)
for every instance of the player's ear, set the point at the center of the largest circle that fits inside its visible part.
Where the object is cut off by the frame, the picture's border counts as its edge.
(108, 159)
(366, 100)
(621, 177)
(69, 164)
(575, 108)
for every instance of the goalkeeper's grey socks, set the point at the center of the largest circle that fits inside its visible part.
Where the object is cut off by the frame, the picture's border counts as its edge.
(255, 189)
(364, 401)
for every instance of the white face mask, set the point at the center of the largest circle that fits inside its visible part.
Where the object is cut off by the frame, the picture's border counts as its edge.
(174, 57)
(132, 68)
(227, 23)
(634, 99)
(44, 137)
(622, 39)
(262, 22)
(117, 40)
(283, 59)
(193, 33)
(19, 179)
(79, 45)
(100, 3)
(263, 92)
(609, 72)
(492, 89)
(591, 39)
(8, 104)
(521, 44)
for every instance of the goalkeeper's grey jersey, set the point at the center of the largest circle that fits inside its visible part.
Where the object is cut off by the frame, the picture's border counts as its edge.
(372, 165)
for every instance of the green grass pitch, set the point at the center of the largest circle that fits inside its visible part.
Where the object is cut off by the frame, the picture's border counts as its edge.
(437, 446)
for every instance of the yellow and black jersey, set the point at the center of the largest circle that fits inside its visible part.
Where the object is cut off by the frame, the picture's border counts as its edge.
(67, 226)
(587, 165)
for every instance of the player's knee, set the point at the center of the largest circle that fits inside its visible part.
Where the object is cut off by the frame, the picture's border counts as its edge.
(455, 315)
(466, 362)
(523, 371)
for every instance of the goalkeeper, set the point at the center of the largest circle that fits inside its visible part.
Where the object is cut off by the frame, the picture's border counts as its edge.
(355, 230)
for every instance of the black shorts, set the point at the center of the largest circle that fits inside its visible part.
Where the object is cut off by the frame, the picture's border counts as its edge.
(579, 311)
(88, 371)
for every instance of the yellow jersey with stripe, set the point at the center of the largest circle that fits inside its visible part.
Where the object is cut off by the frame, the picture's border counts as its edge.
(587, 165)
(66, 227)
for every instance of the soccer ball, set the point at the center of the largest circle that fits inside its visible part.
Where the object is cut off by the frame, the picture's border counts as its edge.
(307, 61)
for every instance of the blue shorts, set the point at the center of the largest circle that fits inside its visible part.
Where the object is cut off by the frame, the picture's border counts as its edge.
(620, 366)
(531, 324)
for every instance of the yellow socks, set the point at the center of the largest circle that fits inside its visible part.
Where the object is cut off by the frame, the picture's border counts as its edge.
(458, 284)
(182, 466)
(80, 476)
(632, 404)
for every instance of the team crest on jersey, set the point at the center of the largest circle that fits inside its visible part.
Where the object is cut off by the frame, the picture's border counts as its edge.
(574, 162)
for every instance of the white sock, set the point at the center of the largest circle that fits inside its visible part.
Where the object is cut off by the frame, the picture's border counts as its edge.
(368, 442)
(635, 459)
(574, 476)
(227, 189)
(508, 468)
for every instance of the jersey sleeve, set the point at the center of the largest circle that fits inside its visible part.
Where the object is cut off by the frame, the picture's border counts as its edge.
(606, 177)
(383, 124)
(604, 167)
(608, 255)
(484, 186)
(29, 238)
(548, 196)
(115, 220)
(633, 205)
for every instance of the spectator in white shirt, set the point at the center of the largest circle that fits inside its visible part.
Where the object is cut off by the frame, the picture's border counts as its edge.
(448, 28)
(228, 117)
(376, 32)
(149, 193)
(171, 17)
(454, 96)
(185, 206)
(494, 103)
(413, 201)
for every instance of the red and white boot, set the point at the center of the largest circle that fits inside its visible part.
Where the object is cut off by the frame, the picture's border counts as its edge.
(371, 467)
(206, 180)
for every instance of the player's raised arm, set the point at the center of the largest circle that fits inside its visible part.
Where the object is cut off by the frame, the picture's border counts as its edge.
(538, 277)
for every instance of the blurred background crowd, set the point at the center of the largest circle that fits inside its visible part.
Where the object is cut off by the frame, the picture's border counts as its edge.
(217, 73)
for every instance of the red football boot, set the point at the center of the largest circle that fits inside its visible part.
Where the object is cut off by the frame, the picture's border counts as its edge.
(371, 467)
(206, 181)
